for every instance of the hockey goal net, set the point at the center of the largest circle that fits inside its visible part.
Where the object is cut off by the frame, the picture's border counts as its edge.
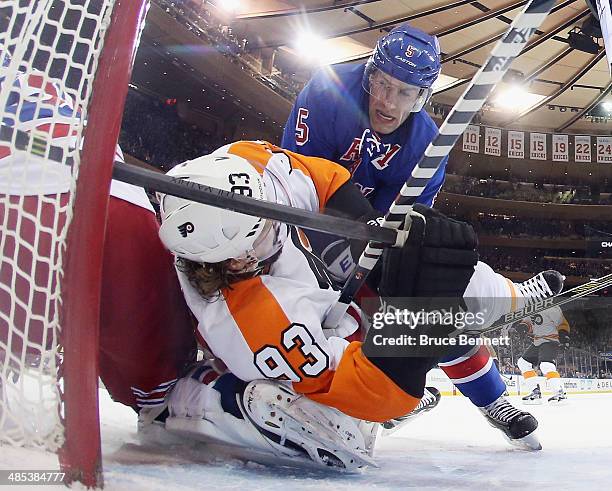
(64, 72)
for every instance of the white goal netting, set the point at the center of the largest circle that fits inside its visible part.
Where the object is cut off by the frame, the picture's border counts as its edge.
(49, 50)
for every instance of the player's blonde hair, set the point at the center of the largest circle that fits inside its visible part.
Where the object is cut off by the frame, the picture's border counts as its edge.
(209, 279)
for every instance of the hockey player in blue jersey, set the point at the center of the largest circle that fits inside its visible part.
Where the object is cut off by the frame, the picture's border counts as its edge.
(369, 117)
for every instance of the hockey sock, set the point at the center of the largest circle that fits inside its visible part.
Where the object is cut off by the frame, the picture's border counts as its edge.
(475, 375)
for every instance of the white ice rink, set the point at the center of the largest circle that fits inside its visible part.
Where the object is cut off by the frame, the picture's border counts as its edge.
(452, 447)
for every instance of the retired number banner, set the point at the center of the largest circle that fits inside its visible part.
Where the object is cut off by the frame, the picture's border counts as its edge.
(471, 139)
(560, 148)
(492, 141)
(516, 144)
(604, 149)
(582, 148)
(537, 146)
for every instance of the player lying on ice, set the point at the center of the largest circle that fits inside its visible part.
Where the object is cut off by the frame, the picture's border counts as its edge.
(293, 388)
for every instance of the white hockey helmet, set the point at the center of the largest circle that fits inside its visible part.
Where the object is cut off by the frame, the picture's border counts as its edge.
(207, 234)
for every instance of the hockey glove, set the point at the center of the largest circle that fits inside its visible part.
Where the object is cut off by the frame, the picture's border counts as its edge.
(564, 339)
(437, 260)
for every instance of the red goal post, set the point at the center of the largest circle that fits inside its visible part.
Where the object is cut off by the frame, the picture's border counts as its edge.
(65, 68)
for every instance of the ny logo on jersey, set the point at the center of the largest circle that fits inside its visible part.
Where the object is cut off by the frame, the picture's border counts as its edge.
(372, 149)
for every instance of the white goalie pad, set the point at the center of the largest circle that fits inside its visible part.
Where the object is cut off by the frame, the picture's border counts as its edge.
(327, 436)
(277, 422)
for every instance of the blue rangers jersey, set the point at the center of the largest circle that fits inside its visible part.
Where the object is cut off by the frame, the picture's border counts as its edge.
(330, 119)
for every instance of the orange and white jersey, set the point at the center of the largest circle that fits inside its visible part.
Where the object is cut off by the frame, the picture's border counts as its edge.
(546, 325)
(270, 326)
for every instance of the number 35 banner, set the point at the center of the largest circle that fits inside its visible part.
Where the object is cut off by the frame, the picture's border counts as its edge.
(560, 148)
(582, 148)
(471, 140)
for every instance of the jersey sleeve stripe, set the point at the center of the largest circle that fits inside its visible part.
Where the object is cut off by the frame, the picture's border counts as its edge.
(267, 329)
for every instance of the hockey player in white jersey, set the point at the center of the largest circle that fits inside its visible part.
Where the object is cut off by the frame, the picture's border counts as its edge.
(261, 297)
(550, 331)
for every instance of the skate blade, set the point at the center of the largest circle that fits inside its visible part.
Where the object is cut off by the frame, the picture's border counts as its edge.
(530, 442)
(532, 402)
(555, 402)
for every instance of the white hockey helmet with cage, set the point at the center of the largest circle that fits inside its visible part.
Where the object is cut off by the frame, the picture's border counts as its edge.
(207, 234)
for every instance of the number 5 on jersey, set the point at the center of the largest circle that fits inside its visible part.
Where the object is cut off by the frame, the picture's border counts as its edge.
(301, 128)
(272, 361)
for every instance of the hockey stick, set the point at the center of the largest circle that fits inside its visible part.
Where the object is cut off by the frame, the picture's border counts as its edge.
(236, 202)
(561, 299)
(38, 145)
(483, 82)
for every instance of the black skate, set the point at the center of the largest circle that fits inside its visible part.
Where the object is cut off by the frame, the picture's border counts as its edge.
(543, 285)
(518, 427)
(535, 397)
(558, 397)
(430, 399)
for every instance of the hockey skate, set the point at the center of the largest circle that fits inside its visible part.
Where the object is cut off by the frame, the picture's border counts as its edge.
(431, 398)
(535, 397)
(543, 285)
(558, 397)
(518, 427)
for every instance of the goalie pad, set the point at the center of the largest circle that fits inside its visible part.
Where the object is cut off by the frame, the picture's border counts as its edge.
(289, 420)
(272, 420)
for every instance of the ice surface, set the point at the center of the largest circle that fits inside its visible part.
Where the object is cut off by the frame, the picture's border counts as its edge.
(451, 447)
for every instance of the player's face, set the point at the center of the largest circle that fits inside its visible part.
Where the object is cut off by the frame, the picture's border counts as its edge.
(390, 102)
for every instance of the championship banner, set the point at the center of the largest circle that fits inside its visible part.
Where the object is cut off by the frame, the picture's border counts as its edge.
(537, 146)
(492, 141)
(604, 149)
(582, 148)
(560, 148)
(516, 144)
(471, 139)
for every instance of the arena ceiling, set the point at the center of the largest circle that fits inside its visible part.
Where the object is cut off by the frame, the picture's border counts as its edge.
(563, 83)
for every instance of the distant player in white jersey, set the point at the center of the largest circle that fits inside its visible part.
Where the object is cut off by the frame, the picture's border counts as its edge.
(261, 297)
(550, 331)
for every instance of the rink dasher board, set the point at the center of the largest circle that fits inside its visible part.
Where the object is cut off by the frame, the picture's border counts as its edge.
(516, 383)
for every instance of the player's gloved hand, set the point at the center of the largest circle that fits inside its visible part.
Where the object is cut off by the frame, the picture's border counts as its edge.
(437, 260)
(521, 327)
(564, 339)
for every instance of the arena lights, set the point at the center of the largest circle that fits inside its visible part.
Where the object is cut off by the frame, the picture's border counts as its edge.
(314, 49)
(307, 43)
(509, 97)
(516, 98)
(229, 5)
